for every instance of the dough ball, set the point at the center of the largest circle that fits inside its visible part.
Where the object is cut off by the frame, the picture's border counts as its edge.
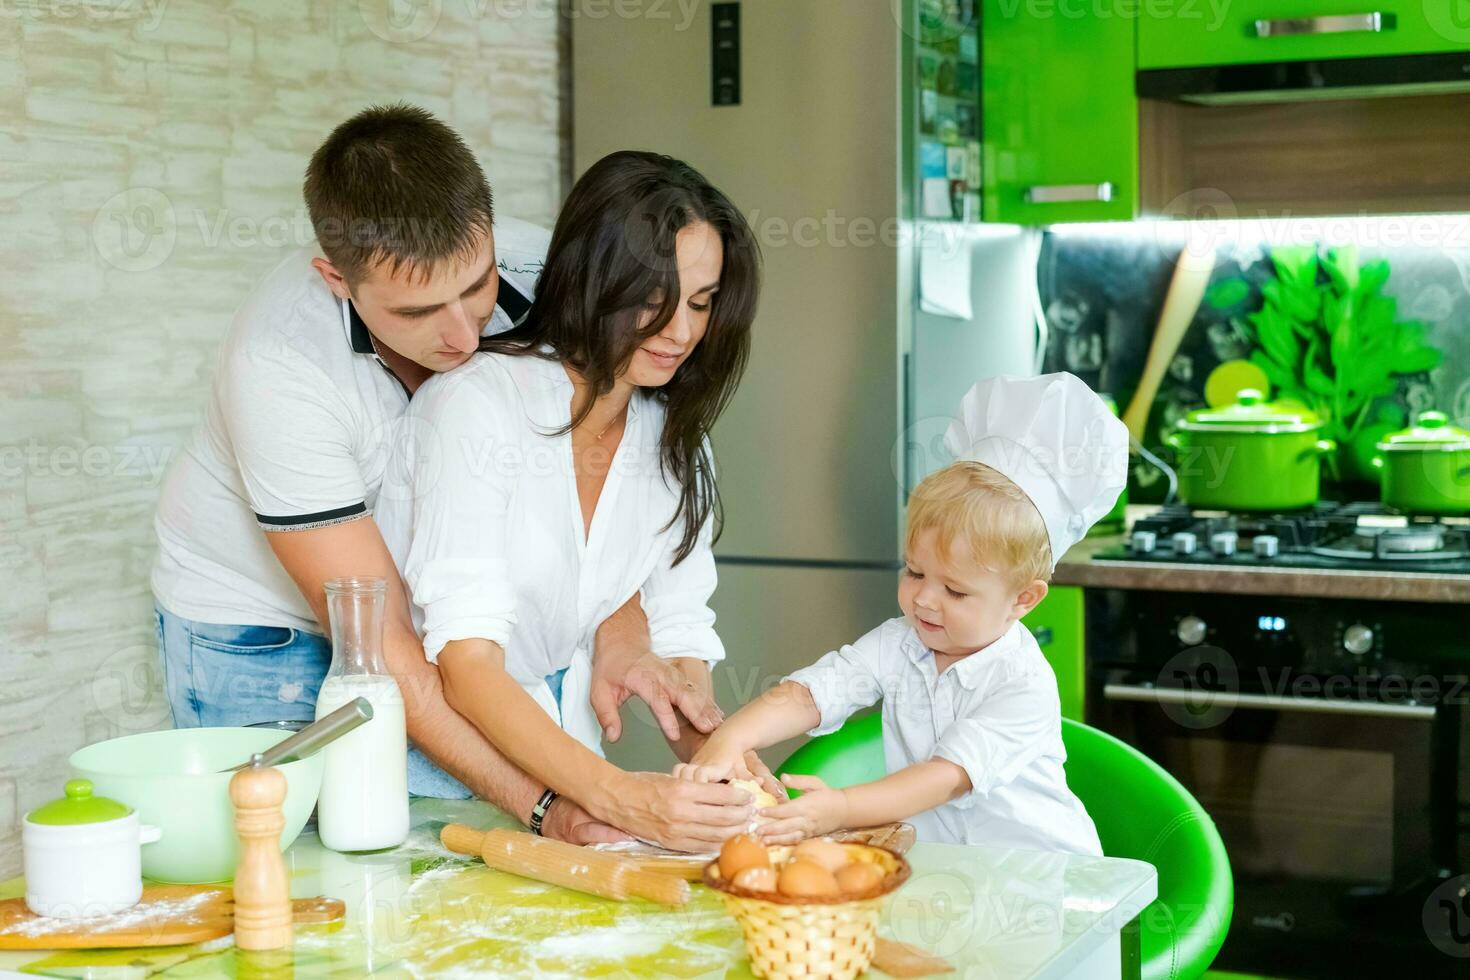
(758, 792)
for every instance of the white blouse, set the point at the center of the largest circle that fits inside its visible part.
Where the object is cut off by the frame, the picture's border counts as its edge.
(487, 528)
(995, 713)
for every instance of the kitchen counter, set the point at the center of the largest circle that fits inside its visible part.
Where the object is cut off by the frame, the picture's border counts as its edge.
(421, 911)
(1079, 567)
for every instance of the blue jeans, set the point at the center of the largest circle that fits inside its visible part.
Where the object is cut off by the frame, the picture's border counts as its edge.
(239, 675)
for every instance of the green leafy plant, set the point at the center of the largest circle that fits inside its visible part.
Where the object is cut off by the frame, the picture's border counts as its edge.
(1328, 338)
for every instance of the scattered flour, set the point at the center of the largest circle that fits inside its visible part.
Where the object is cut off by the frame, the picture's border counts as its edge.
(605, 943)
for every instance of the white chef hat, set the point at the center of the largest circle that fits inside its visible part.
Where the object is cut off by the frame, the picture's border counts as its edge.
(1054, 438)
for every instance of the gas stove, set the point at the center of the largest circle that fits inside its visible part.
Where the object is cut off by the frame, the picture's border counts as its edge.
(1358, 535)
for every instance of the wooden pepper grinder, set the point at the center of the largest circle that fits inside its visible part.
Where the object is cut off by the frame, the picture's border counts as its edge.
(262, 893)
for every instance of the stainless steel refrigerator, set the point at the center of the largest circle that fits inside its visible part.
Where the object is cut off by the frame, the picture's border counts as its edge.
(873, 321)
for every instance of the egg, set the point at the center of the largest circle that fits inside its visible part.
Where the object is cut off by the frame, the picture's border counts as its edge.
(819, 850)
(804, 879)
(756, 879)
(858, 877)
(740, 853)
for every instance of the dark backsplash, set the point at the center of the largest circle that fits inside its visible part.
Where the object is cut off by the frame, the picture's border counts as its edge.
(1103, 287)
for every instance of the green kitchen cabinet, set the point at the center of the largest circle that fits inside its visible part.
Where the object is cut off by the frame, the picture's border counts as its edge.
(1058, 113)
(1057, 624)
(1198, 33)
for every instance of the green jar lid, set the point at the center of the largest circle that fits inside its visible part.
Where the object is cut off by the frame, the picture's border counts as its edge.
(79, 806)
(1252, 413)
(1431, 431)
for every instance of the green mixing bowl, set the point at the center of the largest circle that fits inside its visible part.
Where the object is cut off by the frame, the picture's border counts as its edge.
(171, 778)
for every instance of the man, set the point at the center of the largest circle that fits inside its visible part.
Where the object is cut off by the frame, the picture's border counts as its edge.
(274, 494)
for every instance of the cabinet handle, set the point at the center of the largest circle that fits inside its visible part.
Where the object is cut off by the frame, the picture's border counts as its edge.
(1070, 193)
(1374, 23)
(1266, 702)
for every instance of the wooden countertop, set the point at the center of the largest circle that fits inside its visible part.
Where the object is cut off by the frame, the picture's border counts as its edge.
(1078, 567)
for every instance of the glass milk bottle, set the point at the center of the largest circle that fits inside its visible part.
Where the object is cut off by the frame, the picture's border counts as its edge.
(363, 804)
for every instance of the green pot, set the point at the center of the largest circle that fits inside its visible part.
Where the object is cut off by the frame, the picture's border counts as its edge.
(1253, 455)
(1426, 469)
(171, 778)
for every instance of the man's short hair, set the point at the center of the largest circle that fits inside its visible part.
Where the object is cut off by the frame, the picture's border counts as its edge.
(395, 185)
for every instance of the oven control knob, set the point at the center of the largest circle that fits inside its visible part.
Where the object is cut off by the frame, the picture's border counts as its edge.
(1223, 543)
(1144, 541)
(1266, 546)
(1185, 543)
(1357, 639)
(1191, 631)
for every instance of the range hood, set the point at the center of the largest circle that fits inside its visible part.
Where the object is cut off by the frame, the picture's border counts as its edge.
(1300, 81)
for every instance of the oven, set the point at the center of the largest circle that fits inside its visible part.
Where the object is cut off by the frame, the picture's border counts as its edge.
(1323, 737)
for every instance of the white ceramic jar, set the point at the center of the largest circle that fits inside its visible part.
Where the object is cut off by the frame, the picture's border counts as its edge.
(83, 855)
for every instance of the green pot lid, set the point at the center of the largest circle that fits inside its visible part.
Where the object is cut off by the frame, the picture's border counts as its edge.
(1431, 431)
(79, 806)
(1252, 412)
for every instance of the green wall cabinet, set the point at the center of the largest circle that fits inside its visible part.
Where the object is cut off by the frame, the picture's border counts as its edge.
(1059, 115)
(1057, 624)
(1196, 33)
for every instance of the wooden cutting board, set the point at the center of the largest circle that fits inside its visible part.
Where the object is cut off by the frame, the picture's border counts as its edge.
(167, 915)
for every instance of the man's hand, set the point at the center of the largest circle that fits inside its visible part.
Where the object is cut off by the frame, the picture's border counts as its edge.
(569, 822)
(623, 664)
(819, 810)
(660, 683)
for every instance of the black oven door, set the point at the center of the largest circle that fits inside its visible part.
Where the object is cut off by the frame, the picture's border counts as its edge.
(1325, 807)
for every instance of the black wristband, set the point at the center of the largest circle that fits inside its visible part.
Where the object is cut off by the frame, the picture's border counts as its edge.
(538, 812)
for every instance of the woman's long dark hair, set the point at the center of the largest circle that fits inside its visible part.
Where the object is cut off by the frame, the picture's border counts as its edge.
(611, 253)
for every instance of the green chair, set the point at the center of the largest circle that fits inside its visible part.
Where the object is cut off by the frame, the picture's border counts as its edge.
(1140, 811)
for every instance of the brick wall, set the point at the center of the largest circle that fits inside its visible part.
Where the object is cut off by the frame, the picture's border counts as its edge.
(151, 154)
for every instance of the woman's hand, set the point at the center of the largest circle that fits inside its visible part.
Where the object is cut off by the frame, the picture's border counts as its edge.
(820, 810)
(680, 814)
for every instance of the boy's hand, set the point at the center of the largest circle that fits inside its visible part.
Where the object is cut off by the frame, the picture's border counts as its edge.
(820, 810)
(714, 762)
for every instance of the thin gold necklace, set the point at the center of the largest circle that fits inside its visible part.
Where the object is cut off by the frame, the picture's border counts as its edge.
(608, 427)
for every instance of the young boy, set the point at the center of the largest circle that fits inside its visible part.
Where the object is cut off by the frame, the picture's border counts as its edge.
(971, 718)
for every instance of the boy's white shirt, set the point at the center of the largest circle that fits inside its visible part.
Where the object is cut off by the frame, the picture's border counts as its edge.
(996, 713)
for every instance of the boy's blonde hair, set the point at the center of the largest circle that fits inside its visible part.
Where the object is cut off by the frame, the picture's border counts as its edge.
(973, 503)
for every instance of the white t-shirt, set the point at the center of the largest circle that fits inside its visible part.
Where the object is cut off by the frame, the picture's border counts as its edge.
(296, 435)
(489, 532)
(995, 713)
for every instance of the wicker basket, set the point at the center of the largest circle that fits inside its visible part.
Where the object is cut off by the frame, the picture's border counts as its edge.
(790, 938)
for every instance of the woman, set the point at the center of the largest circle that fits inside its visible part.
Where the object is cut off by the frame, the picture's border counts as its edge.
(566, 467)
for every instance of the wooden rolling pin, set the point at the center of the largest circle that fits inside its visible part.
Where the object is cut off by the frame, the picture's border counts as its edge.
(559, 863)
